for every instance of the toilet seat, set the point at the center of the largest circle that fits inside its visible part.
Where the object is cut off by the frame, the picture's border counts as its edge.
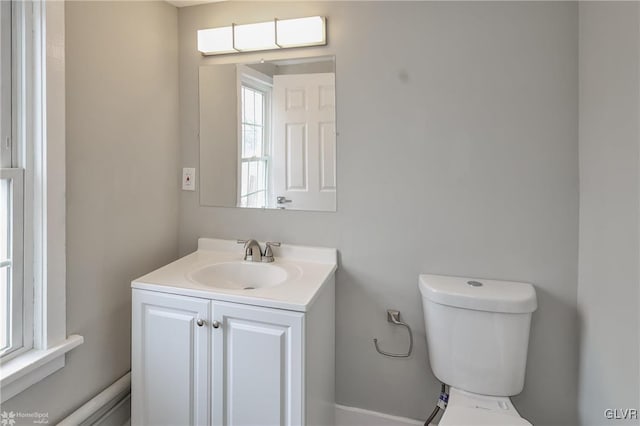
(469, 409)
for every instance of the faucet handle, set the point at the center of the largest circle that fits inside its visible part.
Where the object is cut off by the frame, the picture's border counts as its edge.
(268, 252)
(268, 245)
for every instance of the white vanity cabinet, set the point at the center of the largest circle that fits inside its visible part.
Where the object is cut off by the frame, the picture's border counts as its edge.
(205, 362)
(220, 341)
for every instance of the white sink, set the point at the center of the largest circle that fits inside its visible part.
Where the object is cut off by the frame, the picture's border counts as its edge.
(217, 271)
(240, 275)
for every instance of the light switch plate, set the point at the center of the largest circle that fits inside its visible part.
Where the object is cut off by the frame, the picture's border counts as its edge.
(189, 179)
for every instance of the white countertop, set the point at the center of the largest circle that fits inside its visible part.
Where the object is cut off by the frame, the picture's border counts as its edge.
(316, 263)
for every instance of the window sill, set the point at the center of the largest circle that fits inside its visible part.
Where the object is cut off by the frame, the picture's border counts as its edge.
(29, 368)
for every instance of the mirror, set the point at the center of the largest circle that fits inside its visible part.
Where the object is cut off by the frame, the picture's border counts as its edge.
(268, 134)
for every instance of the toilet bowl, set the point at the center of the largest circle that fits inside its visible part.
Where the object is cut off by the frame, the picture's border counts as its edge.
(466, 408)
(477, 339)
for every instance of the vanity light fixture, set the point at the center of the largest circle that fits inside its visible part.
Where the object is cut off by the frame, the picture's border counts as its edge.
(276, 34)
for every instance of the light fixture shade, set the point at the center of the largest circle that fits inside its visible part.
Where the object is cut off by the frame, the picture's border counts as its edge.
(301, 32)
(216, 41)
(261, 36)
(298, 32)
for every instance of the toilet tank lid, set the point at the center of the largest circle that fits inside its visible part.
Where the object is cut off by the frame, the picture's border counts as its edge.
(479, 294)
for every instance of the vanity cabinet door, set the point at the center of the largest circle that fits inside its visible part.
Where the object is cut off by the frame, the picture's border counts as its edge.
(170, 359)
(257, 366)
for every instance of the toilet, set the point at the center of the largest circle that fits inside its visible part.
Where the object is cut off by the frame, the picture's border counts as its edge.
(477, 338)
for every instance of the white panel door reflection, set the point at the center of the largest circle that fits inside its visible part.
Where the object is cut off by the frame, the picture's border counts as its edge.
(304, 141)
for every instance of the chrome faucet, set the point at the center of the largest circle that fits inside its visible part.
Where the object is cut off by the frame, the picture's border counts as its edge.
(253, 252)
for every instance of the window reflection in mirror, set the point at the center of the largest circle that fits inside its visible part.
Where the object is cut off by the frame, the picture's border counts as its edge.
(255, 95)
(279, 148)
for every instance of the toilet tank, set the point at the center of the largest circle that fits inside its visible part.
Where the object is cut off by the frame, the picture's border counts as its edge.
(478, 332)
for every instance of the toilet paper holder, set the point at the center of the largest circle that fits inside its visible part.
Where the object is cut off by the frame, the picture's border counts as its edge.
(393, 317)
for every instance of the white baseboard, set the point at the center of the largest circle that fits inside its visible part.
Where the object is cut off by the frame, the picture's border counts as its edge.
(351, 416)
(345, 416)
(111, 407)
(119, 415)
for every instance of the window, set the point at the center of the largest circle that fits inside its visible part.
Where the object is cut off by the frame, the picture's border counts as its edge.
(255, 99)
(33, 339)
(12, 335)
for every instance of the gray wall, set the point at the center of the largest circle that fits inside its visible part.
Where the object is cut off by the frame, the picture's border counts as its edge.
(609, 214)
(457, 154)
(306, 68)
(122, 185)
(218, 182)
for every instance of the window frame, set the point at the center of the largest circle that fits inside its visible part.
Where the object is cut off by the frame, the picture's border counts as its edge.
(7, 149)
(39, 142)
(257, 81)
(265, 141)
(17, 324)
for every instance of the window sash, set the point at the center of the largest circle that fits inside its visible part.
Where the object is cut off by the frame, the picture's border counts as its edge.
(13, 294)
(246, 191)
(14, 263)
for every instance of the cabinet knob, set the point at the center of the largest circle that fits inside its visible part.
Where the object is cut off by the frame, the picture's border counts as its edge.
(200, 322)
(216, 324)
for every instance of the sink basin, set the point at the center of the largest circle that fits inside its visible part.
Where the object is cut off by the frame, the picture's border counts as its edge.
(216, 271)
(240, 275)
